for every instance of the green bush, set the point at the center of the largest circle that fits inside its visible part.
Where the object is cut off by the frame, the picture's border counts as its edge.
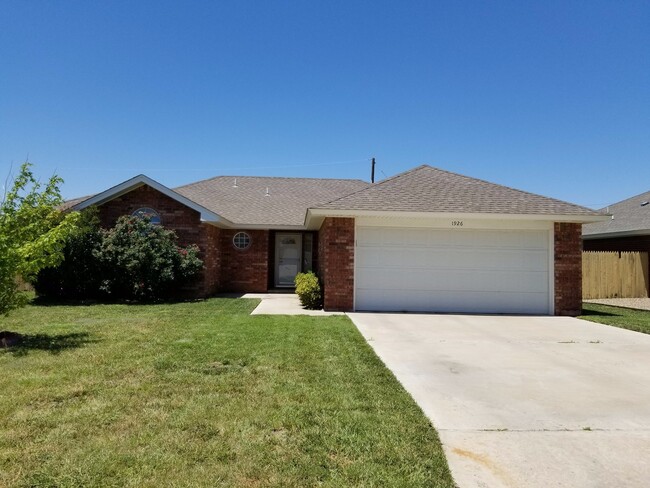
(79, 274)
(141, 260)
(135, 260)
(308, 290)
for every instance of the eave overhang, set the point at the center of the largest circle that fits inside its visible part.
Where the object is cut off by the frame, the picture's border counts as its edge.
(611, 235)
(315, 216)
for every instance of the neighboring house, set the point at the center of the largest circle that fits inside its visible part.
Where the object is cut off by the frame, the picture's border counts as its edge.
(628, 228)
(424, 240)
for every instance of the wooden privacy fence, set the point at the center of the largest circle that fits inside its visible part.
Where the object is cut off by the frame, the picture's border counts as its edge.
(613, 274)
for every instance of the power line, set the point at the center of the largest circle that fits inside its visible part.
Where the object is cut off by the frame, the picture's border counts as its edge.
(211, 166)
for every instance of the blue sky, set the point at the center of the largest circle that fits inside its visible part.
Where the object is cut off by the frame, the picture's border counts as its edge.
(551, 97)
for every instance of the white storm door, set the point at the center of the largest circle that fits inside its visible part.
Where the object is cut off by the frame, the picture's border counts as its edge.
(288, 252)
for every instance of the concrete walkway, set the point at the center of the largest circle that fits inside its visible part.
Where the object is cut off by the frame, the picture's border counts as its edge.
(525, 401)
(283, 304)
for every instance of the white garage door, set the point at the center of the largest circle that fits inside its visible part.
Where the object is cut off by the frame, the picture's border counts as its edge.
(460, 270)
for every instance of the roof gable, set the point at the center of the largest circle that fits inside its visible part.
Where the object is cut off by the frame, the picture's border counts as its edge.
(432, 190)
(138, 181)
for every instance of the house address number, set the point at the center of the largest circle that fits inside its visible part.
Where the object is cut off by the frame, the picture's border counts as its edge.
(456, 223)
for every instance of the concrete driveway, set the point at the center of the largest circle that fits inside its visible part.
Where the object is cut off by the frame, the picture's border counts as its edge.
(525, 401)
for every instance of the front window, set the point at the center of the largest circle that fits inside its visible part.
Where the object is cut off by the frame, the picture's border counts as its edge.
(148, 213)
(307, 252)
(241, 241)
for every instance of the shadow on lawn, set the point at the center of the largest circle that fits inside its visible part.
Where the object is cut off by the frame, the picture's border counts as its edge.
(21, 344)
(596, 313)
(58, 302)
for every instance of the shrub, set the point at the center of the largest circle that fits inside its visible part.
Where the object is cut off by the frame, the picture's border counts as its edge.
(135, 260)
(141, 260)
(78, 276)
(308, 290)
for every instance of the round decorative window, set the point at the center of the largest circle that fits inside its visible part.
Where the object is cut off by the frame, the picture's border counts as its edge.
(241, 241)
(148, 213)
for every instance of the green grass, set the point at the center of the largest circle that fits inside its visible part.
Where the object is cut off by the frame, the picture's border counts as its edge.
(203, 394)
(626, 318)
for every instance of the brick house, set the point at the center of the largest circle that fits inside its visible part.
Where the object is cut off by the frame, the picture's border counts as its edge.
(627, 229)
(424, 240)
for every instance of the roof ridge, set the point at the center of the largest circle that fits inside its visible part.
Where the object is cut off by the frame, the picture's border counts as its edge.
(515, 195)
(403, 173)
(375, 185)
(271, 178)
(511, 188)
(626, 200)
(195, 182)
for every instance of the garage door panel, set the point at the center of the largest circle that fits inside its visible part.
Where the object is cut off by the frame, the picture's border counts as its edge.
(370, 236)
(439, 238)
(490, 271)
(416, 237)
(387, 257)
(453, 280)
(434, 259)
(466, 302)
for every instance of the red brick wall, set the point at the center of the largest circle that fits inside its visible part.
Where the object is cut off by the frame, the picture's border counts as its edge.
(336, 263)
(568, 269)
(210, 239)
(183, 220)
(245, 270)
(225, 268)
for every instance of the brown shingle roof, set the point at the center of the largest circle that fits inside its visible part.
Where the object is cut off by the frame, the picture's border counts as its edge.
(428, 189)
(73, 201)
(628, 216)
(248, 204)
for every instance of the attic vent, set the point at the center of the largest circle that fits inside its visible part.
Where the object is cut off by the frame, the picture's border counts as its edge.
(643, 204)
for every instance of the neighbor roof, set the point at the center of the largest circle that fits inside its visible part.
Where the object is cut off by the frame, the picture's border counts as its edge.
(244, 199)
(628, 217)
(428, 189)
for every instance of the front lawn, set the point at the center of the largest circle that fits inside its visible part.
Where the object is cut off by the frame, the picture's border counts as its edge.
(203, 394)
(626, 318)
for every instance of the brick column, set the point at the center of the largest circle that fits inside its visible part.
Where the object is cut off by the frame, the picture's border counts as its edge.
(568, 268)
(336, 263)
(211, 255)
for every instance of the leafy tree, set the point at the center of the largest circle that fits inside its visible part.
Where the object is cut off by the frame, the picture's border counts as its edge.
(33, 232)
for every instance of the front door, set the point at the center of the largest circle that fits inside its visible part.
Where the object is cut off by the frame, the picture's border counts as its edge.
(288, 252)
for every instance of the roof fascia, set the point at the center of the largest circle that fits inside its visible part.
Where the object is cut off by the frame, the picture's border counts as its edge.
(313, 213)
(608, 235)
(141, 180)
(235, 225)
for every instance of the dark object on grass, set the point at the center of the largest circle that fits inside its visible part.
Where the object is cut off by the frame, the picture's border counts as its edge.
(9, 339)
